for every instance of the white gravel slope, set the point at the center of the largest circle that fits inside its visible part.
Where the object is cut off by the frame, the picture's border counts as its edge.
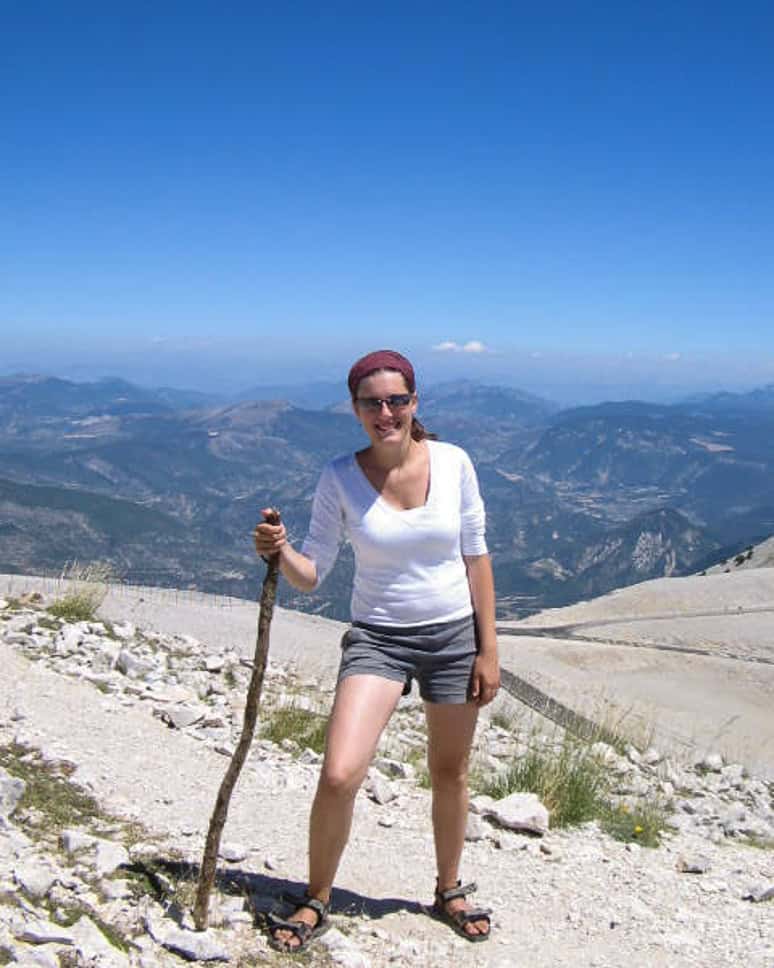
(591, 901)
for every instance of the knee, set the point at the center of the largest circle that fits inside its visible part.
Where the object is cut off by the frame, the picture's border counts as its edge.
(448, 775)
(336, 780)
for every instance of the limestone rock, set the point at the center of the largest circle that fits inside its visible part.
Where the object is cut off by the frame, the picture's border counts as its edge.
(36, 878)
(195, 945)
(75, 840)
(309, 757)
(474, 828)
(695, 864)
(109, 856)
(481, 803)
(11, 791)
(42, 932)
(68, 639)
(603, 752)
(395, 769)
(233, 853)
(180, 717)
(633, 755)
(759, 893)
(520, 811)
(342, 950)
(711, 762)
(36, 958)
(381, 790)
(124, 630)
(91, 943)
(735, 774)
(132, 665)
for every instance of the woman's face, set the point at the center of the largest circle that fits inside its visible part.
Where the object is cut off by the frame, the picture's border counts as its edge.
(385, 425)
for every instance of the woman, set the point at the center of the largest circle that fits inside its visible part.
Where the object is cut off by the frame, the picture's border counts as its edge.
(410, 506)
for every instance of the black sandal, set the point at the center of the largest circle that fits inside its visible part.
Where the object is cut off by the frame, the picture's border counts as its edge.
(299, 929)
(458, 919)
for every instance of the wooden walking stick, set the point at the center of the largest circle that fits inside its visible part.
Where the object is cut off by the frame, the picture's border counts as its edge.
(219, 814)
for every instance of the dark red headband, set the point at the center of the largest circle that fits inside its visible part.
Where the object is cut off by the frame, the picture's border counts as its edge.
(381, 360)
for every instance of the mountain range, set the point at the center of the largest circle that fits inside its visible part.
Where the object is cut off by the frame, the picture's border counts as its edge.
(166, 485)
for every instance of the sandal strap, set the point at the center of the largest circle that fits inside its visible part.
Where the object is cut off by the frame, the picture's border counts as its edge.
(474, 914)
(458, 891)
(300, 929)
(320, 908)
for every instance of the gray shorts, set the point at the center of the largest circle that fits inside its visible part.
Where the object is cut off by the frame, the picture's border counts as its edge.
(440, 657)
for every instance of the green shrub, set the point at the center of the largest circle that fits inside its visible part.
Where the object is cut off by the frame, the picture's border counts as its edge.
(642, 824)
(86, 594)
(48, 790)
(74, 608)
(570, 781)
(303, 726)
(503, 720)
(574, 784)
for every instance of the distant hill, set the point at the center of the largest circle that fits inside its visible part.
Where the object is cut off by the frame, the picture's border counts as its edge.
(27, 398)
(712, 467)
(470, 399)
(759, 555)
(578, 501)
(41, 528)
(657, 544)
(760, 400)
(317, 395)
(188, 399)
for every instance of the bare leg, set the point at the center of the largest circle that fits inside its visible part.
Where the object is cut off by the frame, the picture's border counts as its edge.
(361, 710)
(450, 729)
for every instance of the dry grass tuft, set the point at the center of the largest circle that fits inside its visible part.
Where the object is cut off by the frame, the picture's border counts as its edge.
(88, 587)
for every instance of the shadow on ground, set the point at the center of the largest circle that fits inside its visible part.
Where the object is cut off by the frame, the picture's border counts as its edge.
(168, 879)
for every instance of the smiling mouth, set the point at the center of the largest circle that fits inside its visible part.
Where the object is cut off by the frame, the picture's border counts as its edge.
(385, 428)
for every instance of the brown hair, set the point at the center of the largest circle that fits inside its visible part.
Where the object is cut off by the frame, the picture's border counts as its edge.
(388, 360)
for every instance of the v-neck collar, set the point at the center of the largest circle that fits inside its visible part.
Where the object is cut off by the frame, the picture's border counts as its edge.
(386, 504)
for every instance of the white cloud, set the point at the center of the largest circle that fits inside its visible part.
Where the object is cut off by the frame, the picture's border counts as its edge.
(449, 346)
(157, 340)
(672, 357)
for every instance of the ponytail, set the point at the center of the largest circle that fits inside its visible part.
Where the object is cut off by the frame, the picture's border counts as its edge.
(418, 431)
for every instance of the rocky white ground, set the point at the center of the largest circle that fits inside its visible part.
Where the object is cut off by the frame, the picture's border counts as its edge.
(691, 658)
(144, 720)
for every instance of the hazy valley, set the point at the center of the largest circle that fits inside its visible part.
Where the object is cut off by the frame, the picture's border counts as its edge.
(166, 485)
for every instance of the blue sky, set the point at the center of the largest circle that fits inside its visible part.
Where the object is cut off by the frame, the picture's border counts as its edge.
(219, 195)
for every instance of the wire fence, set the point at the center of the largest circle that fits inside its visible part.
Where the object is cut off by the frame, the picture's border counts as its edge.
(151, 586)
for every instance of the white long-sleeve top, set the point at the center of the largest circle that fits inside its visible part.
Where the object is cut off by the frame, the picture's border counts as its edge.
(408, 564)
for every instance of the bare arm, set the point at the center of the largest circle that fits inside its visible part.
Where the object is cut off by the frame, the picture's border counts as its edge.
(486, 673)
(271, 539)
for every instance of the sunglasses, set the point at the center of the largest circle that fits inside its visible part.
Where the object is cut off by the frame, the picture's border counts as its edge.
(396, 401)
